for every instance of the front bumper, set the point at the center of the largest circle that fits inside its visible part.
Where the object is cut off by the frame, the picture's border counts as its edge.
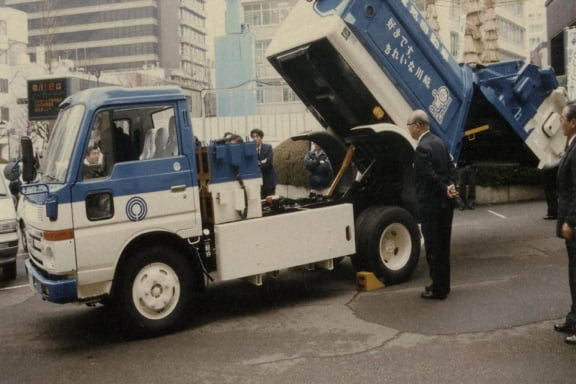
(8, 247)
(56, 291)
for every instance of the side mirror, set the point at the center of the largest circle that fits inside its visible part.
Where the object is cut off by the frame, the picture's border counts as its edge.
(28, 163)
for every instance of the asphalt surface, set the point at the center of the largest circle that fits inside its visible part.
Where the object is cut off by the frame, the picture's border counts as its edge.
(509, 286)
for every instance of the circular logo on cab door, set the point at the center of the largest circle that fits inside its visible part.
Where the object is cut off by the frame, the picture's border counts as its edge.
(136, 209)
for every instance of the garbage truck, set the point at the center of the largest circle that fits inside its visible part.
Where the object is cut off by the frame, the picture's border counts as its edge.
(154, 218)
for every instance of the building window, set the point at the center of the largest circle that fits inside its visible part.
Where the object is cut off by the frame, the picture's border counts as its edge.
(5, 114)
(510, 32)
(454, 44)
(455, 9)
(275, 93)
(266, 13)
(3, 85)
(260, 51)
(3, 56)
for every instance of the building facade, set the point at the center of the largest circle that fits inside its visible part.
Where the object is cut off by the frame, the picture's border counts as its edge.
(13, 60)
(240, 60)
(560, 14)
(511, 22)
(109, 35)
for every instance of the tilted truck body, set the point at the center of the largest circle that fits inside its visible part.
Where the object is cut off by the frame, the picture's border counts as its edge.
(363, 62)
(155, 227)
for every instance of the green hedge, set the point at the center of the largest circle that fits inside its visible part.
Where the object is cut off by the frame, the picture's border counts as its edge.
(289, 162)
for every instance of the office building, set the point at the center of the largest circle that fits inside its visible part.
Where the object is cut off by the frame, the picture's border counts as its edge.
(98, 36)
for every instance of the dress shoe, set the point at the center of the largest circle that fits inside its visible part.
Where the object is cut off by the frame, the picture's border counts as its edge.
(564, 328)
(432, 296)
(571, 339)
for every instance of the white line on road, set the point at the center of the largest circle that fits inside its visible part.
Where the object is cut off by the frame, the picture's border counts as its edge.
(15, 287)
(497, 214)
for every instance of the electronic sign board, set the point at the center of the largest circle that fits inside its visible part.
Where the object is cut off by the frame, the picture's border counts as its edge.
(44, 96)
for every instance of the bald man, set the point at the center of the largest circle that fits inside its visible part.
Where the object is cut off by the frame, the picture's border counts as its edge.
(435, 176)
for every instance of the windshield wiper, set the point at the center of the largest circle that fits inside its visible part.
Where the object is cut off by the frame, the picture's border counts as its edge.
(50, 178)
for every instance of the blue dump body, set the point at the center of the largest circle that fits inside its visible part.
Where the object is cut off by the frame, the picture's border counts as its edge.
(516, 90)
(422, 67)
(417, 65)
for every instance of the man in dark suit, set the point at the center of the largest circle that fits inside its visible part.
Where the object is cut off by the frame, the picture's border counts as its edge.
(266, 162)
(567, 212)
(435, 176)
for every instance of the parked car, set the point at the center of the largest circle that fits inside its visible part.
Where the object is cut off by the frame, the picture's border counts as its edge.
(8, 229)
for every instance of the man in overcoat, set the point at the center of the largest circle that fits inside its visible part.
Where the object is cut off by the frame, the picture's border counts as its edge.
(435, 175)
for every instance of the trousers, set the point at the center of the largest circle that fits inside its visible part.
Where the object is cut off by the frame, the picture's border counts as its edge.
(437, 232)
(571, 248)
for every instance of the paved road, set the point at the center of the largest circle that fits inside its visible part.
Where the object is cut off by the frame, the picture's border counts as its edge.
(509, 287)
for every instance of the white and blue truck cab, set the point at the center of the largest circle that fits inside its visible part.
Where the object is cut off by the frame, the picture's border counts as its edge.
(125, 208)
(153, 218)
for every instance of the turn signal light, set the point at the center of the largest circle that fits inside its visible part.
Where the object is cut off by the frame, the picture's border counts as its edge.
(65, 234)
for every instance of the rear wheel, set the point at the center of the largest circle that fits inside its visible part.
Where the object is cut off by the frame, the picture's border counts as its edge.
(155, 291)
(388, 243)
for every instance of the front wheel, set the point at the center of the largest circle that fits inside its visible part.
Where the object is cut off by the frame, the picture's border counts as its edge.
(388, 243)
(155, 291)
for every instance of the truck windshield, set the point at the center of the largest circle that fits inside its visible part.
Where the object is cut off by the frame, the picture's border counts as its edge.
(56, 162)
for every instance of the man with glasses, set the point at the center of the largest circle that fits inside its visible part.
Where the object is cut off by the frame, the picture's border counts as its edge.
(567, 212)
(435, 176)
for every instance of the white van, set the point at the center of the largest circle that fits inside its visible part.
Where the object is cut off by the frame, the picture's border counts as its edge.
(8, 230)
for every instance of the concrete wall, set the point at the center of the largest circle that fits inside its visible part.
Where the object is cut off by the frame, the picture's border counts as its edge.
(508, 194)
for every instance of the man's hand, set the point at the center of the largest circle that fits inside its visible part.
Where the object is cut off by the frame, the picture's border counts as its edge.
(567, 232)
(451, 192)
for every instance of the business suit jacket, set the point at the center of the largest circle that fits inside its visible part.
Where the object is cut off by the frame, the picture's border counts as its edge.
(434, 171)
(567, 189)
(269, 179)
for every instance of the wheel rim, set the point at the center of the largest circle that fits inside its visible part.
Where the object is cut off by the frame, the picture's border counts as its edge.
(395, 246)
(156, 291)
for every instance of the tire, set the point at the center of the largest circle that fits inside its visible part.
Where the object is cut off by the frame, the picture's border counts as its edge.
(359, 260)
(154, 292)
(388, 243)
(9, 271)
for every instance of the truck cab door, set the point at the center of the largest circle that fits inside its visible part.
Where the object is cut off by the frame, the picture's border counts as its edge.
(133, 187)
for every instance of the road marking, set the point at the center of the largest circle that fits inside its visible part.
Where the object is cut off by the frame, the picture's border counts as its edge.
(15, 287)
(497, 214)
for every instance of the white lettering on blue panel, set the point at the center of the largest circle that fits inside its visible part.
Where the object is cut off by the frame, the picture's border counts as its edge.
(445, 54)
(435, 42)
(424, 26)
(414, 12)
(441, 103)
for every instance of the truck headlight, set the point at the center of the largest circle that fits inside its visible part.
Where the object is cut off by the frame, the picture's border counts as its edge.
(8, 226)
